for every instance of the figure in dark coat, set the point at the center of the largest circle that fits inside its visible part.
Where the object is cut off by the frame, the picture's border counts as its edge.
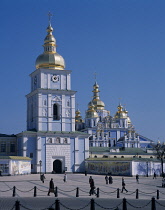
(154, 177)
(51, 187)
(42, 177)
(123, 185)
(110, 180)
(92, 186)
(106, 179)
(137, 178)
(90, 178)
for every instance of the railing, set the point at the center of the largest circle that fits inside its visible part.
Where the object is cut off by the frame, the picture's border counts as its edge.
(93, 205)
(78, 192)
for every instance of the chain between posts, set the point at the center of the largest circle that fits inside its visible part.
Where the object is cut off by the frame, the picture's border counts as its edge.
(66, 190)
(108, 192)
(138, 207)
(147, 193)
(25, 190)
(75, 209)
(159, 203)
(110, 207)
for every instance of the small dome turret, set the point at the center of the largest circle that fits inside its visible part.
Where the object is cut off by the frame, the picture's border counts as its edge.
(91, 113)
(98, 104)
(78, 117)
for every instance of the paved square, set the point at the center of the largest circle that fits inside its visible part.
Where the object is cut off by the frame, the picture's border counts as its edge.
(24, 193)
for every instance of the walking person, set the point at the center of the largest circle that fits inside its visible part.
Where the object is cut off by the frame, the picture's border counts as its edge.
(51, 187)
(42, 177)
(123, 186)
(106, 179)
(65, 177)
(90, 178)
(137, 178)
(154, 177)
(92, 187)
(110, 180)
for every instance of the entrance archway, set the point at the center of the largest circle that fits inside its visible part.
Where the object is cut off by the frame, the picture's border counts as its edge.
(57, 166)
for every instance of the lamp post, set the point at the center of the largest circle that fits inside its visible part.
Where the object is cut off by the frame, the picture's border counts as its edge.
(147, 168)
(40, 162)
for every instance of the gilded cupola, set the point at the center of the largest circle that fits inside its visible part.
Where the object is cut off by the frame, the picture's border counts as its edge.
(78, 117)
(122, 113)
(50, 59)
(91, 112)
(98, 104)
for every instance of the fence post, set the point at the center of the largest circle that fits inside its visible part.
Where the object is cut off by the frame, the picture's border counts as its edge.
(92, 204)
(157, 194)
(118, 193)
(17, 205)
(14, 189)
(77, 192)
(98, 192)
(57, 204)
(35, 191)
(56, 192)
(124, 204)
(137, 194)
(153, 206)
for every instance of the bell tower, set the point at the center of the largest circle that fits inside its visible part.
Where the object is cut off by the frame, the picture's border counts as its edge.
(51, 102)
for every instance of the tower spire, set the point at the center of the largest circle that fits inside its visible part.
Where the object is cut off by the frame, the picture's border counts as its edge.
(49, 17)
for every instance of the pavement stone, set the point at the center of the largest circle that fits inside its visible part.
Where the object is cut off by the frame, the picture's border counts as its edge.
(67, 192)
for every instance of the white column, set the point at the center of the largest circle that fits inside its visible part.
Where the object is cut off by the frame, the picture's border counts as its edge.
(76, 150)
(86, 146)
(24, 146)
(38, 152)
(49, 106)
(63, 113)
(73, 113)
(39, 107)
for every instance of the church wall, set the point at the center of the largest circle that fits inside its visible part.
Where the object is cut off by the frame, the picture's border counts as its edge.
(72, 154)
(43, 155)
(60, 152)
(141, 168)
(56, 126)
(19, 146)
(31, 148)
(81, 154)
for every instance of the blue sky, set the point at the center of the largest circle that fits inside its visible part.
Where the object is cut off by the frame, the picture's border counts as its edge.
(122, 40)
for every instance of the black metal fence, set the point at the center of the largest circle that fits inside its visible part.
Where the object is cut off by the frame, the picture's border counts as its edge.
(92, 205)
(78, 192)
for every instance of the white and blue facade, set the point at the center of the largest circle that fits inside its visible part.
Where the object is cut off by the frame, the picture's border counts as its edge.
(51, 136)
(109, 131)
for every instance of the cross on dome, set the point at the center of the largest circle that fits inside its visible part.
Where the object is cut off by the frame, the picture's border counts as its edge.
(50, 16)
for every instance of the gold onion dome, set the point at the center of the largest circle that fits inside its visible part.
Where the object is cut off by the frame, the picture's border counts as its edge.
(120, 114)
(50, 59)
(78, 117)
(91, 113)
(98, 104)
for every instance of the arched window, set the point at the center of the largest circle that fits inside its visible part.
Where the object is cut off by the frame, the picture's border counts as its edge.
(45, 102)
(56, 112)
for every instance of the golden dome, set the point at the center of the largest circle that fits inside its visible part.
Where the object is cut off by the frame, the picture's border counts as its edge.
(98, 104)
(78, 117)
(91, 113)
(50, 59)
(122, 114)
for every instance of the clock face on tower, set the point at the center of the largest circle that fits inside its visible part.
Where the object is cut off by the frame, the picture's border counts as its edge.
(55, 78)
